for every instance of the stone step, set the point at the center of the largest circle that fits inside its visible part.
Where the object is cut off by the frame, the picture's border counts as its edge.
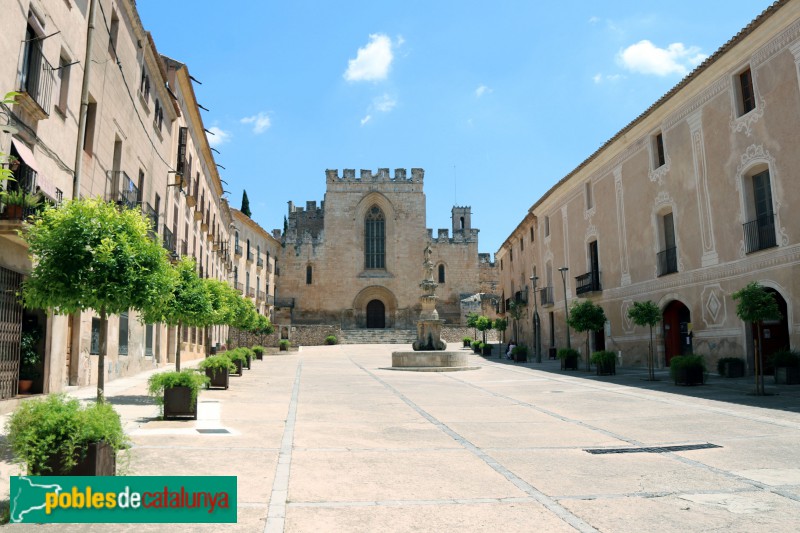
(378, 336)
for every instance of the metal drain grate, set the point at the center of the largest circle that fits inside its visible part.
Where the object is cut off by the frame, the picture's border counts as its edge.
(654, 449)
(213, 430)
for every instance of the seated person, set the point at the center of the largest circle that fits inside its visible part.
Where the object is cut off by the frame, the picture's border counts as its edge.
(510, 351)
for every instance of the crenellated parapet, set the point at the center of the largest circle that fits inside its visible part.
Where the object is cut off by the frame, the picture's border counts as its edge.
(383, 175)
(459, 237)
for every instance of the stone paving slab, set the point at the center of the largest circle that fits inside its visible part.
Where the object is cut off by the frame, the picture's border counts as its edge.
(324, 440)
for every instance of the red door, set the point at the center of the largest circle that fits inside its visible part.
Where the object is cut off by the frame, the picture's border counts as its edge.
(677, 339)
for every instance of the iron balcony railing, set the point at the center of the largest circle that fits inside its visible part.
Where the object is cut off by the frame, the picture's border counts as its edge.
(169, 242)
(150, 213)
(121, 189)
(260, 263)
(237, 250)
(546, 296)
(250, 256)
(667, 261)
(25, 183)
(251, 293)
(37, 77)
(240, 287)
(261, 296)
(589, 282)
(759, 234)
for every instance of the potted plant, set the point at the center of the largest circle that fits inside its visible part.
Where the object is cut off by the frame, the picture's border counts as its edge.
(238, 358)
(30, 363)
(476, 346)
(59, 436)
(569, 358)
(787, 367)
(331, 340)
(17, 201)
(520, 353)
(176, 392)
(731, 367)
(259, 351)
(218, 369)
(467, 342)
(486, 349)
(249, 355)
(606, 362)
(687, 369)
(284, 345)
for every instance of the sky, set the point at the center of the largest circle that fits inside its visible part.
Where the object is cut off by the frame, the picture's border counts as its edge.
(497, 101)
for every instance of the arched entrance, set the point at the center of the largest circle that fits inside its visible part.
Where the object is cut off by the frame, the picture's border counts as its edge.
(376, 315)
(676, 321)
(774, 333)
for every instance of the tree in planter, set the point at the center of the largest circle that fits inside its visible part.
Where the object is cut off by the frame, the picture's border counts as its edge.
(265, 327)
(159, 384)
(483, 324)
(588, 317)
(756, 305)
(218, 368)
(88, 254)
(472, 321)
(646, 314)
(189, 304)
(500, 325)
(516, 310)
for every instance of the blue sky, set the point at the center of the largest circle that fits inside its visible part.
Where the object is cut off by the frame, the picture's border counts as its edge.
(497, 101)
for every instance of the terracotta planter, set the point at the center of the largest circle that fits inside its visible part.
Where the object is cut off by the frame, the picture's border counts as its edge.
(178, 403)
(99, 460)
(220, 379)
(25, 386)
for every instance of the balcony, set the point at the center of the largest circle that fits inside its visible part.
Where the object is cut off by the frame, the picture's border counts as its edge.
(237, 250)
(251, 293)
(759, 234)
(589, 282)
(270, 300)
(170, 243)
(240, 287)
(121, 190)
(667, 261)
(521, 297)
(184, 248)
(546, 296)
(260, 264)
(261, 296)
(36, 82)
(152, 216)
(249, 256)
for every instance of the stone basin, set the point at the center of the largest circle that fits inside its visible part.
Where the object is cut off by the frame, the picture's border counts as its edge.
(431, 361)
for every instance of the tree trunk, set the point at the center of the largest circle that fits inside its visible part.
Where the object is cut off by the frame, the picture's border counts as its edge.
(101, 357)
(759, 363)
(178, 349)
(651, 363)
(588, 361)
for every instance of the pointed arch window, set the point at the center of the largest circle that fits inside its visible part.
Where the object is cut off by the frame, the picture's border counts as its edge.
(375, 238)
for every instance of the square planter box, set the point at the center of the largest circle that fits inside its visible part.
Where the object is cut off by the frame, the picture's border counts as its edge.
(238, 371)
(100, 460)
(787, 375)
(520, 357)
(733, 370)
(260, 356)
(219, 379)
(178, 403)
(569, 363)
(283, 348)
(467, 344)
(607, 369)
(487, 350)
(247, 364)
(689, 376)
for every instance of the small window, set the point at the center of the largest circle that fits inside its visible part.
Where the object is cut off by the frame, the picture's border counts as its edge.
(144, 85)
(658, 150)
(441, 274)
(123, 334)
(511, 255)
(148, 340)
(113, 34)
(587, 192)
(94, 347)
(546, 226)
(247, 281)
(532, 234)
(461, 222)
(747, 94)
(521, 245)
(63, 84)
(91, 116)
(309, 273)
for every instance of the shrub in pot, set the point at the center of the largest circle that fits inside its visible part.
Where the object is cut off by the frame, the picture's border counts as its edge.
(259, 351)
(731, 367)
(520, 353)
(606, 362)
(59, 436)
(569, 358)
(249, 356)
(30, 364)
(486, 349)
(331, 339)
(176, 392)
(467, 342)
(687, 369)
(787, 367)
(238, 358)
(284, 345)
(218, 369)
(476, 346)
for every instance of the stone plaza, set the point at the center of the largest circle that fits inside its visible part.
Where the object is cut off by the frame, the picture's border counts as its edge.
(325, 439)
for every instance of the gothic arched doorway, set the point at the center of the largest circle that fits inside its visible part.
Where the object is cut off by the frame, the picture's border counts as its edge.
(376, 315)
(774, 333)
(677, 321)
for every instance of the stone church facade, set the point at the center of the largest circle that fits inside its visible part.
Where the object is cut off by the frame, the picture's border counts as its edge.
(355, 260)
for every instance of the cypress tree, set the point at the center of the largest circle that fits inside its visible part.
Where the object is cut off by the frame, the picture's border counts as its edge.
(245, 205)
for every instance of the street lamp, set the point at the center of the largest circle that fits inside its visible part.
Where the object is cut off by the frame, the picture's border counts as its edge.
(563, 271)
(537, 336)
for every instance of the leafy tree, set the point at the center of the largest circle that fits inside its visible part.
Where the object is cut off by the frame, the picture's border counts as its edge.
(264, 327)
(646, 314)
(6, 174)
(756, 304)
(472, 322)
(500, 324)
(588, 317)
(88, 254)
(188, 304)
(516, 310)
(245, 205)
(482, 324)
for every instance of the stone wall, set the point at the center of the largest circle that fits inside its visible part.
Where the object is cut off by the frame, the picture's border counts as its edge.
(297, 335)
(457, 333)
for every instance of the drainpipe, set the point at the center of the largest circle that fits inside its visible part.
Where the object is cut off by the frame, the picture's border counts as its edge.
(87, 64)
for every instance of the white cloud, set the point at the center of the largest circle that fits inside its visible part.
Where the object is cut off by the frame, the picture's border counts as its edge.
(646, 58)
(600, 77)
(594, 20)
(260, 122)
(219, 136)
(366, 119)
(372, 62)
(483, 89)
(384, 103)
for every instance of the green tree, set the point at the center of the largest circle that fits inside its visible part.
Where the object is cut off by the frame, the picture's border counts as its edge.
(6, 174)
(755, 305)
(500, 324)
(472, 322)
(483, 324)
(646, 314)
(88, 254)
(245, 205)
(188, 304)
(588, 317)
(516, 310)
